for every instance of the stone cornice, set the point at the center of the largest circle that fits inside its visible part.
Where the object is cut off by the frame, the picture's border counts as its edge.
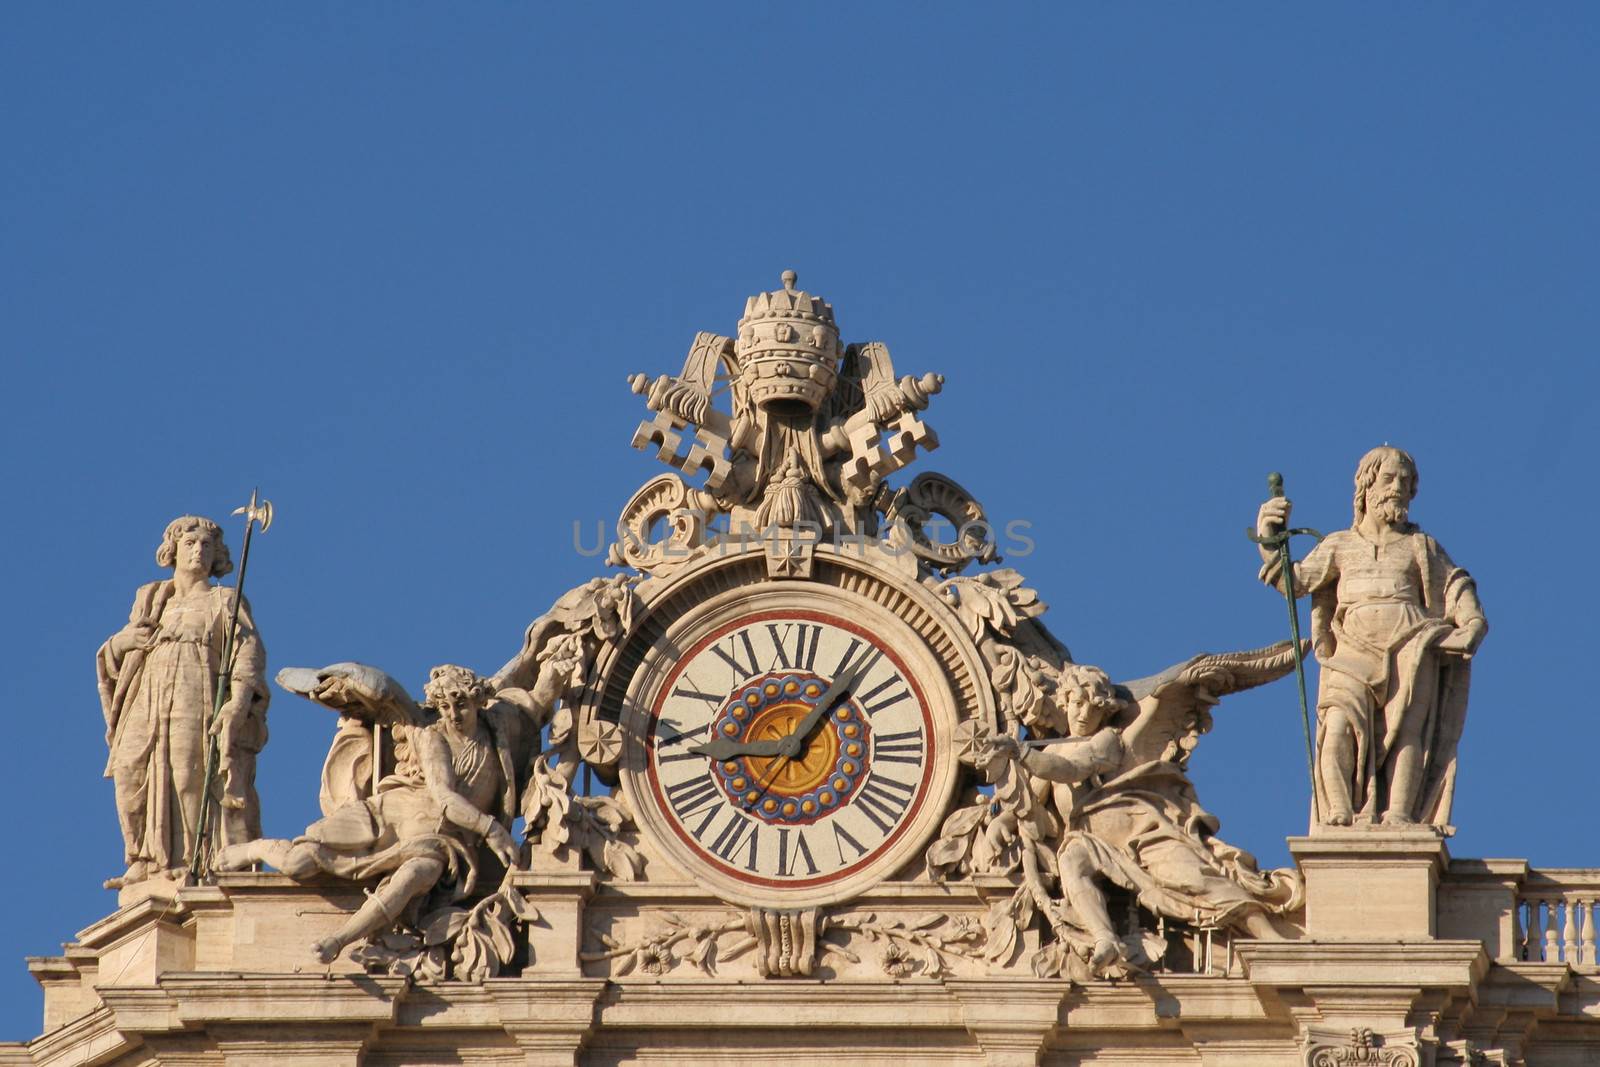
(1454, 965)
(87, 1041)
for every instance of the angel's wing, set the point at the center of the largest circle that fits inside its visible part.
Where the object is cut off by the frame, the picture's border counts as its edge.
(365, 697)
(355, 689)
(1172, 709)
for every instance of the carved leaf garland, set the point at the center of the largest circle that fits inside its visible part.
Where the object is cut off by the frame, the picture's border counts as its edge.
(995, 599)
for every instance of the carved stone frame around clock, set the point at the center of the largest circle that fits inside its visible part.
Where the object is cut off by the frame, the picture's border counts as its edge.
(874, 586)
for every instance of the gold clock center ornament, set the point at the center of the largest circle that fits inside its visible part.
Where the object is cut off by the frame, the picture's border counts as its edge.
(791, 744)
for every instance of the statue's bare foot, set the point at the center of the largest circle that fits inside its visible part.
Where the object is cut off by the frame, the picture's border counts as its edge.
(234, 858)
(137, 872)
(1106, 952)
(327, 950)
(1396, 818)
(1339, 818)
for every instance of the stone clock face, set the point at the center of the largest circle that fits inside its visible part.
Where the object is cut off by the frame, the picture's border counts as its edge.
(843, 790)
(790, 745)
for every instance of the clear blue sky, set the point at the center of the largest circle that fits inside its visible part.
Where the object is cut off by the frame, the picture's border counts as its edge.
(393, 263)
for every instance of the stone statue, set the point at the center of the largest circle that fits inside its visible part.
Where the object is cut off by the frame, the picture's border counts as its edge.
(1394, 625)
(456, 781)
(158, 679)
(1112, 798)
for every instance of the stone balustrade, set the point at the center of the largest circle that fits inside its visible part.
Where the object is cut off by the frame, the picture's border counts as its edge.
(1556, 914)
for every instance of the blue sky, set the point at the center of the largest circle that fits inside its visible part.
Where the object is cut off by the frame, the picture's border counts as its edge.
(393, 264)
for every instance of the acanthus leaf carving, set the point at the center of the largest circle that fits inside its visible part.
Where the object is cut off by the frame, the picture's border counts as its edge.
(992, 601)
(1361, 1046)
(453, 943)
(598, 826)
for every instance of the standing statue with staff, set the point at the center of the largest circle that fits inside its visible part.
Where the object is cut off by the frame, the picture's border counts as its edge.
(184, 692)
(1394, 625)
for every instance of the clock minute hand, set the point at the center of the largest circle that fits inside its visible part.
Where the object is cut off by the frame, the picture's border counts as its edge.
(793, 741)
(789, 745)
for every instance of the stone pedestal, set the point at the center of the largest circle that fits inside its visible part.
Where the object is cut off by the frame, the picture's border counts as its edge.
(559, 888)
(1370, 885)
(140, 941)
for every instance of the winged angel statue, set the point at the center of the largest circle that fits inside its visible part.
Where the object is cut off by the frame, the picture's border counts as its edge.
(1099, 794)
(411, 790)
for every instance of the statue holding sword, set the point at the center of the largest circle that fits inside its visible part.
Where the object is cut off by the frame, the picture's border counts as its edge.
(1394, 625)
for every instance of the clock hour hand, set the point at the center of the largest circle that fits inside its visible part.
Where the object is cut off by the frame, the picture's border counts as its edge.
(727, 748)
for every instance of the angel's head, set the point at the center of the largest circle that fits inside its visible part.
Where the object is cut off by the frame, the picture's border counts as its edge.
(458, 695)
(1085, 695)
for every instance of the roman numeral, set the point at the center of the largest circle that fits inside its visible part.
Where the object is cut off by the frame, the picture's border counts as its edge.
(883, 801)
(840, 839)
(904, 747)
(868, 660)
(802, 851)
(743, 666)
(733, 836)
(796, 652)
(662, 741)
(893, 698)
(692, 794)
(694, 694)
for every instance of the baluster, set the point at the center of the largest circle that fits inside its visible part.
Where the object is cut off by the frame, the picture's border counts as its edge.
(1519, 938)
(1570, 933)
(1583, 954)
(1552, 935)
(1533, 948)
(1591, 917)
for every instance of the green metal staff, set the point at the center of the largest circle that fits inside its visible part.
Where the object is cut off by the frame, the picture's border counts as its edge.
(1280, 541)
(256, 512)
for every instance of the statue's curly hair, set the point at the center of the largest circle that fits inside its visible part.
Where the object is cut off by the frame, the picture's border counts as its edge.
(450, 680)
(1367, 474)
(167, 551)
(1090, 684)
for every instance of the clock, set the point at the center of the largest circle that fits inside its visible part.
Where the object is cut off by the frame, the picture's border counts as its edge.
(790, 743)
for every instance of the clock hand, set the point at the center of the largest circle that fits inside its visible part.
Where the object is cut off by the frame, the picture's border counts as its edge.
(795, 739)
(727, 748)
(789, 745)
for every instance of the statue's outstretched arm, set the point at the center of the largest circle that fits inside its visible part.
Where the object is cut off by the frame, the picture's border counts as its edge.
(1075, 759)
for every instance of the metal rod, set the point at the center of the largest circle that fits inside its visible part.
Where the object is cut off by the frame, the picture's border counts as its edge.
(1280, 542)
(199, 858)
